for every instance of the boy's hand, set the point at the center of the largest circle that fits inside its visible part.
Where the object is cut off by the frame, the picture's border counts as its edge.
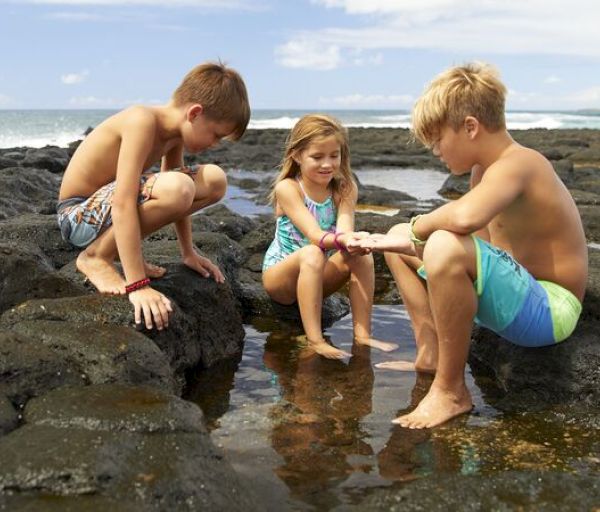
(203, 266)
(152, 305)
(388, 243)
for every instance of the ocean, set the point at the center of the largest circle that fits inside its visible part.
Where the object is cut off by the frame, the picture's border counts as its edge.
(38, 128)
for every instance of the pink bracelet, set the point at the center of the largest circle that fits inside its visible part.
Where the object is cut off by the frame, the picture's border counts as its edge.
(337, 243)
(321, 242)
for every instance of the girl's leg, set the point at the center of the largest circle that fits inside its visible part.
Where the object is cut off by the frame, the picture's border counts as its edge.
(360, 290)
(414, 295)
(450, 260)
(300, 277)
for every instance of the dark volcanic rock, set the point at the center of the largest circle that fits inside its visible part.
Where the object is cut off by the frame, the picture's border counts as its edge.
(29, 368)
(50, 158)
(27, 190)
(115, 408)
(26, 273)
(510, 490)
(9, 419)
(41, 230)
(103, 353)
(145, 448)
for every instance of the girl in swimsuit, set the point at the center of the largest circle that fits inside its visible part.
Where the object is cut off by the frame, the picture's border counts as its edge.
(314, 197)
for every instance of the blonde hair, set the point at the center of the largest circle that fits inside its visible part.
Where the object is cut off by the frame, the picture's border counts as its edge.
(221, 92)
(473, 89)
(308, 129)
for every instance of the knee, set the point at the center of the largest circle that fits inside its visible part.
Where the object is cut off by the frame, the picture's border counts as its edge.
(312, 257)
(399, 229)
(178, 191)
(216, 182)
(443, 251)
(360, 261)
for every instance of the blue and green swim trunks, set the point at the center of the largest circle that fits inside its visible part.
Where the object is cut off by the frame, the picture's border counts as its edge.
(514, 305)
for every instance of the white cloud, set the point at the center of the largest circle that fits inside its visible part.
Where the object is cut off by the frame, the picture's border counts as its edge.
(543, 27)
(220, 4)
(306, 54)
(552, 79)
(96, 102)
(371, 100)
(74, 78)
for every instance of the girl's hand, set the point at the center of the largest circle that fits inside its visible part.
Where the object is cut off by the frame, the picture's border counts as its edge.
(351, 241)
(203, 266)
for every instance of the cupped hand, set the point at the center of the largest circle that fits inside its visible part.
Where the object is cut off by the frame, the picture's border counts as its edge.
(351, 241)
(151, 307)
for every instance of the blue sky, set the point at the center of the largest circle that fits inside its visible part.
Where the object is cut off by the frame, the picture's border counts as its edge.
(305, 54)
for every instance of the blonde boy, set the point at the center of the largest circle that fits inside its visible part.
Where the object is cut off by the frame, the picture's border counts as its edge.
(108, 203)
(511, 253)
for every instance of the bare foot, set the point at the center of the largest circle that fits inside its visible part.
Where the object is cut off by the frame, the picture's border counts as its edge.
(154, 271)
(101, 273)
(372, 342)
(324, 349)
(403, 366)
(399, 366)
(436, 408)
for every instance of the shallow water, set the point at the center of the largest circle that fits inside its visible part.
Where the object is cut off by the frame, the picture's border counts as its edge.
(312, 434)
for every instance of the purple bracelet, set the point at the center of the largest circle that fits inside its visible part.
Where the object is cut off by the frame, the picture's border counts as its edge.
(338, 245)
(321, 242)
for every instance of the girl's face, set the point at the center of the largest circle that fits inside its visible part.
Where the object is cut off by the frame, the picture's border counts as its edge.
(320, 161)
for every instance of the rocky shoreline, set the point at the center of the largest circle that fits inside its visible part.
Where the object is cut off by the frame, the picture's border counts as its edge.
(90, 408)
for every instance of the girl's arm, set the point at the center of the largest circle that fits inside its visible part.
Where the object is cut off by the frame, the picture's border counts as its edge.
(291, 202)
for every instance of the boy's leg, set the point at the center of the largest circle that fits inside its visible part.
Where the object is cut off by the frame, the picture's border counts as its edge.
(211, 184)
(415, 297)
(300, 277)
(450, 262)
(172, 194)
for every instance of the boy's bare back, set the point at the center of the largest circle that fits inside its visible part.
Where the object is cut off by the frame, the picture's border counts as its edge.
(94, 163)
(541, 228)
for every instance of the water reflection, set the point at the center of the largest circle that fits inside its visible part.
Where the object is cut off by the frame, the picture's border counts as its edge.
(317, 424)
(313, 434)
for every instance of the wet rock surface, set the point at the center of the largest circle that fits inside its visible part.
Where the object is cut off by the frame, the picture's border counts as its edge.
(89, 411)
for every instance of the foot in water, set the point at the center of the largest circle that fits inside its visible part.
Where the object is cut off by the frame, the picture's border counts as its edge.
(385, 346)
(399, 366)
(324, 349)
(154, 271)
(101, 273)
(436, 408)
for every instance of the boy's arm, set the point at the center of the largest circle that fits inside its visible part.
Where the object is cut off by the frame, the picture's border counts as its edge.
(499, 186)
(137, 135)
(476, 175)
(183, 227)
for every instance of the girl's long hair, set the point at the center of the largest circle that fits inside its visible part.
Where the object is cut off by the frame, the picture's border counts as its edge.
(307, 130)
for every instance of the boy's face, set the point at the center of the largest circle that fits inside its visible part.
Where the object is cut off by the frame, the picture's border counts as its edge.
(205, 133)
(453, 148)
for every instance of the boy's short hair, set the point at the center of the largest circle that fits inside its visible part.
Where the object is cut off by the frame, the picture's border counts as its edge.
(221, 92)
(473, 89)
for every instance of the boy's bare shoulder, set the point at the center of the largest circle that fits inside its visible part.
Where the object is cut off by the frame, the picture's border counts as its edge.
(137, 116)
(520, 160)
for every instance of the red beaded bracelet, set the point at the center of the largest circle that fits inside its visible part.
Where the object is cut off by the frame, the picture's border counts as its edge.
(137, 285)
(337, 243)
